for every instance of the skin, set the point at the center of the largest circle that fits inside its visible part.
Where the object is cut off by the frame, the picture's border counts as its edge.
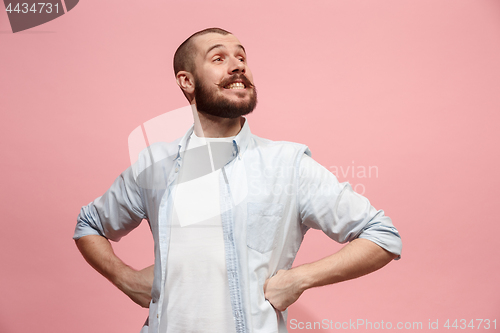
(136, 284)
(213, 65)
(217, 58)
(356, 259)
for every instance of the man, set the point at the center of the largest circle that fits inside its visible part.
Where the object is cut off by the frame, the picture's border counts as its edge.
(228, 211)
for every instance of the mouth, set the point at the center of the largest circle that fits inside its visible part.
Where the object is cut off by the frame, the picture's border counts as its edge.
(236, 82)
(235, 85)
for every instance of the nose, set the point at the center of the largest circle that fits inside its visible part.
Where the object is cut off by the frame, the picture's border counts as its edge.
(236, 66)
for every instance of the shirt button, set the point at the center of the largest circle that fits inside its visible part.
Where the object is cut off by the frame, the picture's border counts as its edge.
(176, 170)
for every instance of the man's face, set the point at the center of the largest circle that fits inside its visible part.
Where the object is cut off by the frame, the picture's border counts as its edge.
(223, 82)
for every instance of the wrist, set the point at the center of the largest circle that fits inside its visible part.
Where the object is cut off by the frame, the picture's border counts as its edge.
(303, 278)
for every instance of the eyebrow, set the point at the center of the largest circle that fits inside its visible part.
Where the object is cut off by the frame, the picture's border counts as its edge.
(223, 47)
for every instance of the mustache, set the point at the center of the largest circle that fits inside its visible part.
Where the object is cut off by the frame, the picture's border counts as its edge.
(234, 78)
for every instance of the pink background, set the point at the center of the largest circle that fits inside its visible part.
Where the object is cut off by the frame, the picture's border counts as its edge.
(409, 87)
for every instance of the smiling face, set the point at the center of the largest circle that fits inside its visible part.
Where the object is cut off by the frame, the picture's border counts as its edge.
(223, 83)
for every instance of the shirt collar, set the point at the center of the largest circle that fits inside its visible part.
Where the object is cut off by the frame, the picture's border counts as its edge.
(240, 141)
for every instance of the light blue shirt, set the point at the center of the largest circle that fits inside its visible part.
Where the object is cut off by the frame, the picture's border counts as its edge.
(271, 193)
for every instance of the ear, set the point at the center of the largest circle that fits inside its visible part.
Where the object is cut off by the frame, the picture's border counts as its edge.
(185, 80)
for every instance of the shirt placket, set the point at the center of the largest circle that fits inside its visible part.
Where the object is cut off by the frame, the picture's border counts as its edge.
(165, 214)
(232, 263)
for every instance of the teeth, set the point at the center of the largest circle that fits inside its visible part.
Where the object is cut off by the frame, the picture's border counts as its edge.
(235, 85)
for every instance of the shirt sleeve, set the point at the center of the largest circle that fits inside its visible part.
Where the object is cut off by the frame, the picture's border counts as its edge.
(338, 211)
(114, 214)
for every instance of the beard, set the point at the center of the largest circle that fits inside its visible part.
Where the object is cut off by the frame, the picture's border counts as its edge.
(208, 102)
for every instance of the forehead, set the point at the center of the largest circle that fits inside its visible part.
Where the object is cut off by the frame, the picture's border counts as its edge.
(207, 42)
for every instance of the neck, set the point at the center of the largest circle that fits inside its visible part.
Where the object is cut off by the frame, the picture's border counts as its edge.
(209, 126)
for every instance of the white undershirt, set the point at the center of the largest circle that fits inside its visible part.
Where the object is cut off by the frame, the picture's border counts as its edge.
(197, 291)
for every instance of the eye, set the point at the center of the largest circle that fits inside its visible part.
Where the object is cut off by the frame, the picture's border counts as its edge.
(217, 59)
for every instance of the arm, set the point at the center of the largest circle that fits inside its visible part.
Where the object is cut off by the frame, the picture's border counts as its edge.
(344, 216)
(356, 259)
(98, 252)
(112, 216)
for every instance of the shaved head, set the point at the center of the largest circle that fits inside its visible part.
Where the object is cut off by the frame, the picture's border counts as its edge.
(186, 52)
